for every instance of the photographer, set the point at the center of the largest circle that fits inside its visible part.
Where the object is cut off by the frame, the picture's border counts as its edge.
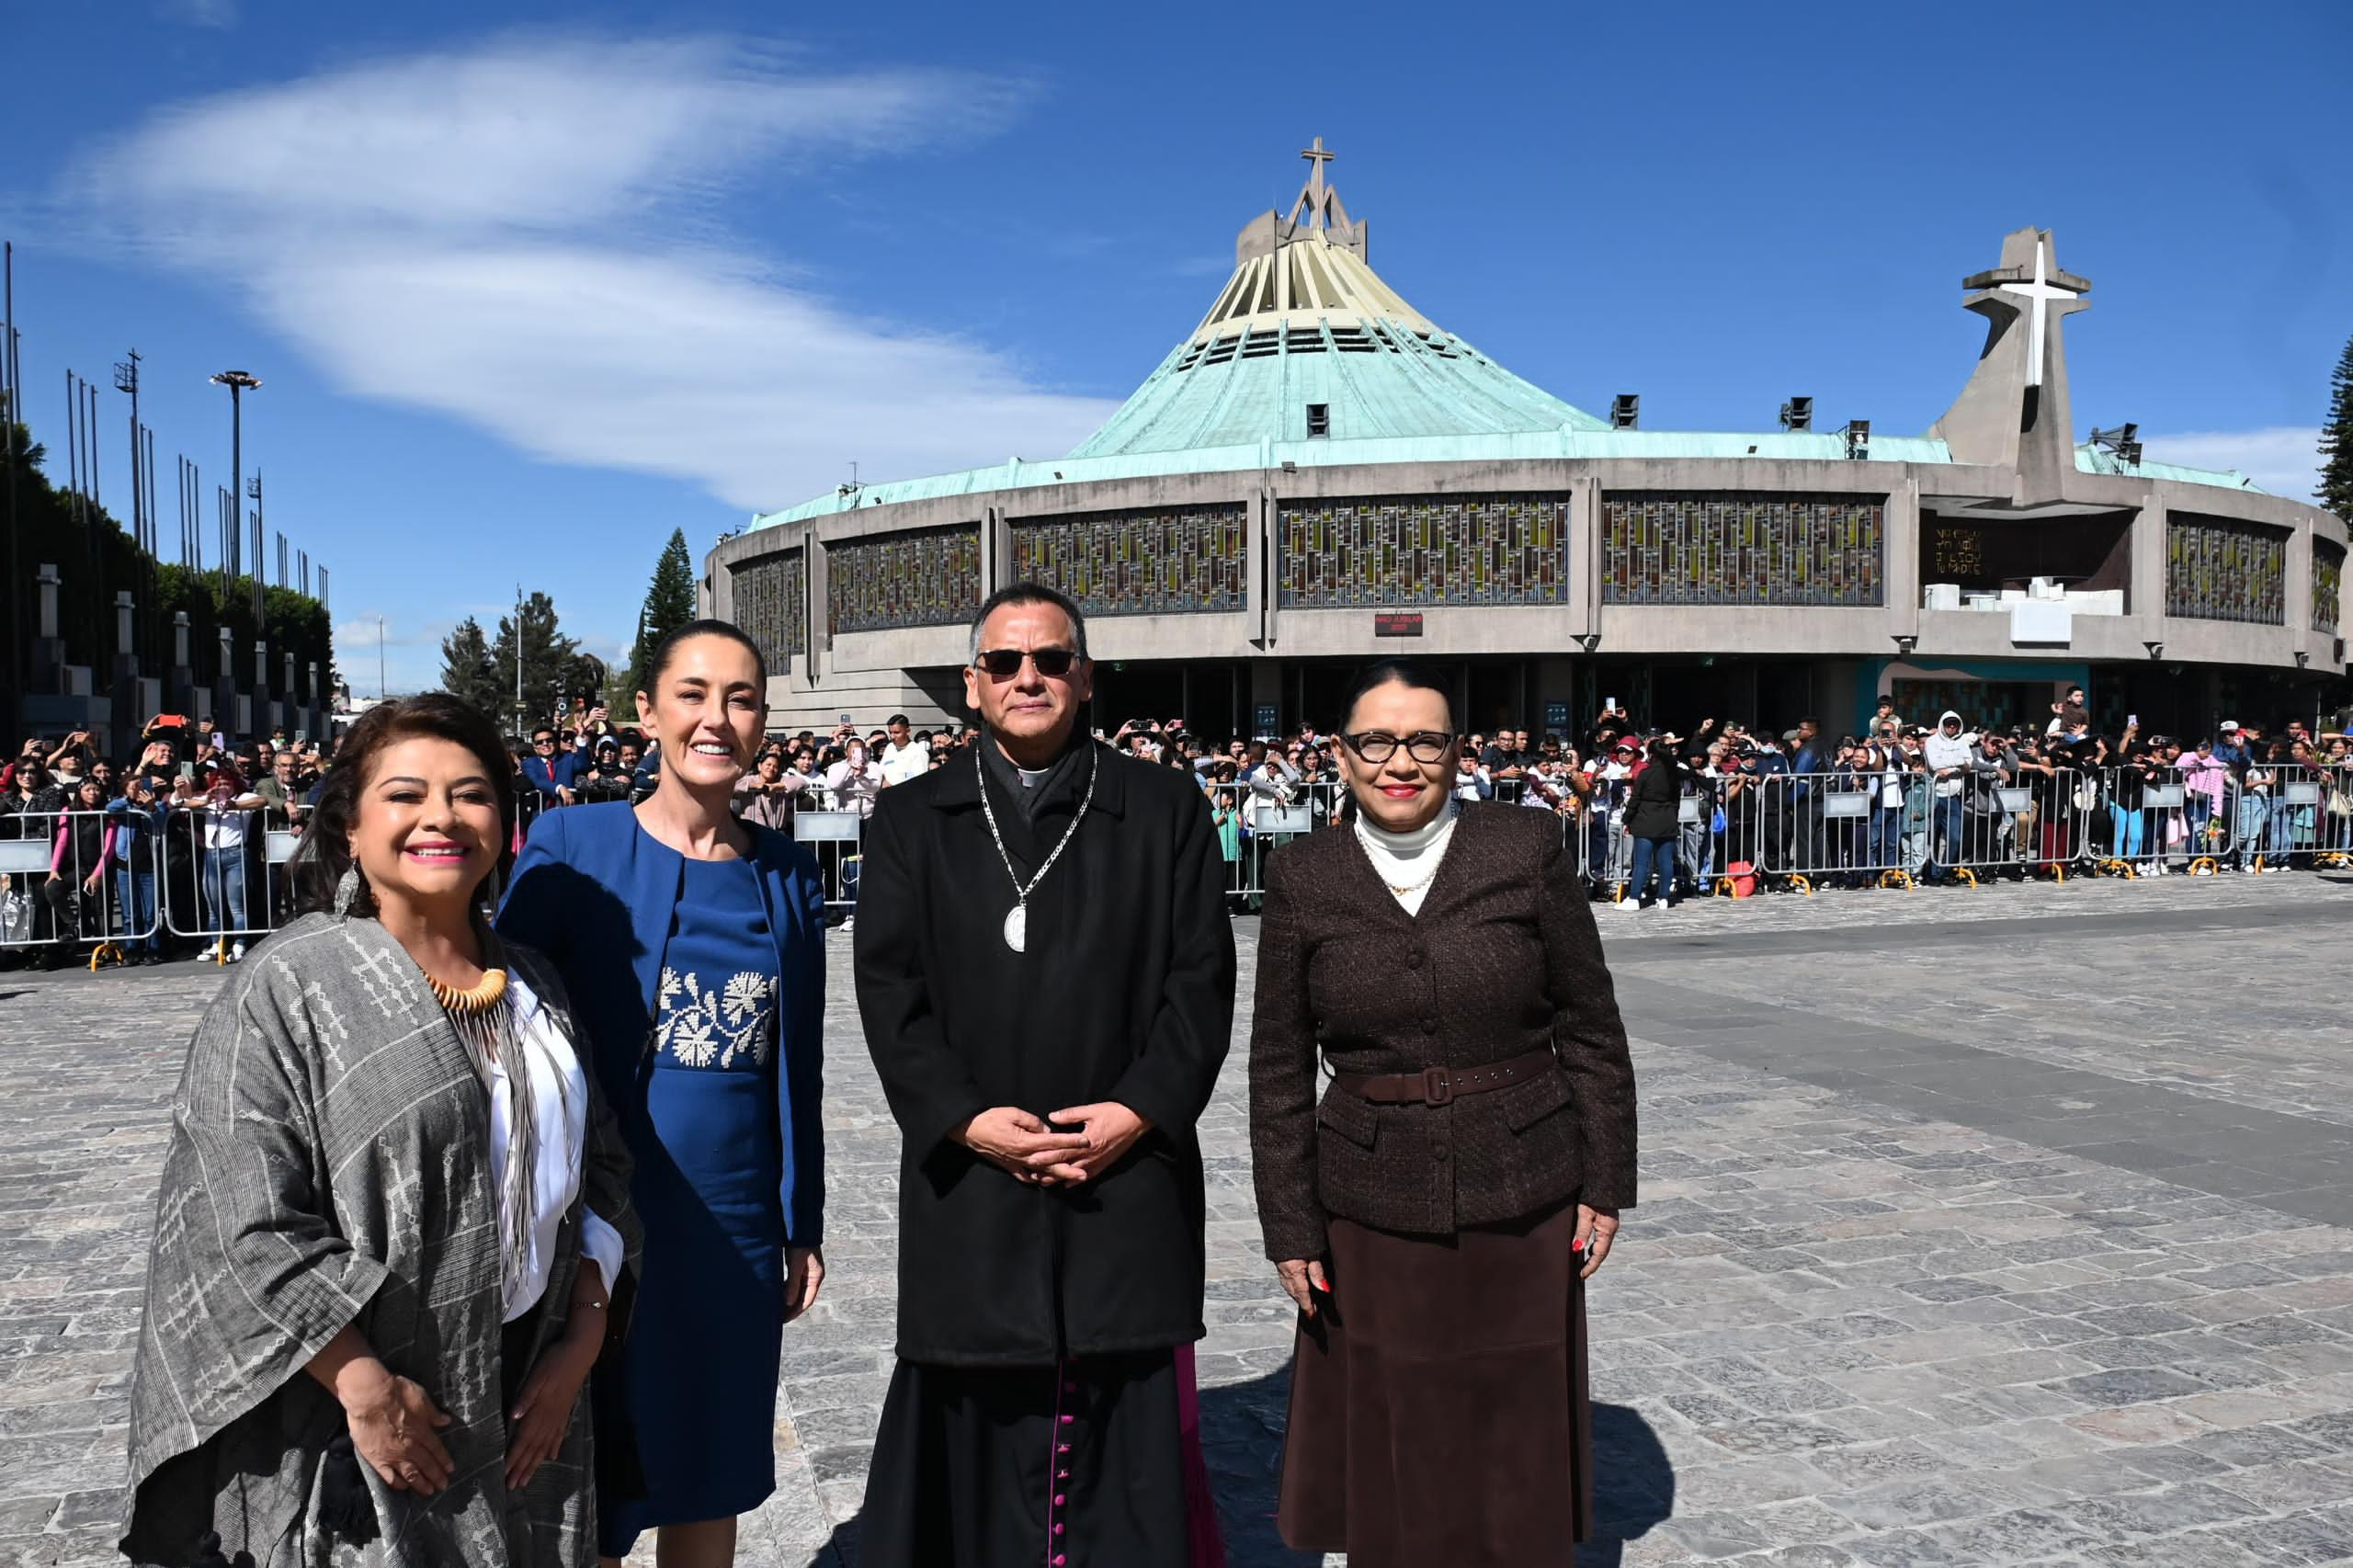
(854, 780)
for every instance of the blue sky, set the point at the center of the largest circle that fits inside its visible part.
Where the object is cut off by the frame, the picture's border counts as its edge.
(530, 285)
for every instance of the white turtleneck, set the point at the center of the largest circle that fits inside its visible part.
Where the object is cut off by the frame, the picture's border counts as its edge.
(1409, 860)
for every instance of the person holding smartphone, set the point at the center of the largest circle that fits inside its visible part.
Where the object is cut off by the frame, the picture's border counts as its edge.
(854, 780)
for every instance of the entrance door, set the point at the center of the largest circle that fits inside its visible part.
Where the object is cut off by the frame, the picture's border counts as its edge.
(1141, 689)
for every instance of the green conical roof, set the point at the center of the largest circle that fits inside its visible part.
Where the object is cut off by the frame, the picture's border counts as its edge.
(1304, 322)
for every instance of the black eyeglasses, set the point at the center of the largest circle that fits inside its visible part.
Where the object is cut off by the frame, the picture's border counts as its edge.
(1005, 663)
(1379, 746)
(543, 740)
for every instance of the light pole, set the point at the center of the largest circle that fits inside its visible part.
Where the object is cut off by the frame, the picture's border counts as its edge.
(521, 726)
(379, 658)
(238, 382)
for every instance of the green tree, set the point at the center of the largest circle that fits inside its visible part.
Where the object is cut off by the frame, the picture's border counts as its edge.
(546, 655)
(20, 439)
(468, 670)
(669, 603)
(2337, 440)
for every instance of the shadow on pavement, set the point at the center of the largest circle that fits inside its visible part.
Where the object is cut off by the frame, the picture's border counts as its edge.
(1241, 1439)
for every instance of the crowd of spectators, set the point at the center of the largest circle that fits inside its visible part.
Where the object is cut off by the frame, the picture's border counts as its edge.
(1656, 815)
(181, 825)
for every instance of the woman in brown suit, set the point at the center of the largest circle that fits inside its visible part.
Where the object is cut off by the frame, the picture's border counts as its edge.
(1437, 1214)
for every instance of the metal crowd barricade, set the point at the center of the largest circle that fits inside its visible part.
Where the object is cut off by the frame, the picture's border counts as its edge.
(1227, 805)
(834, 838)
(232, 892)
(2334, 820)
(2293, 833)
(66, 914)
(1271, 823)
(1809, 830)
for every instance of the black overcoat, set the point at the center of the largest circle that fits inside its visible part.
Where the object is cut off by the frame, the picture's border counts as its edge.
(1125, 992)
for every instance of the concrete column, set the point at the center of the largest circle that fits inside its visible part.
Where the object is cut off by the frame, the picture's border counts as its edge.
(224, 687)
(287, 691)
(47, 582)
(179, 683)
(816, 573)
(1899, 568)
(992, 558)
(1258, 557)
(2146, 600)
(2298, 600)
(1583, 560)
(125, 706)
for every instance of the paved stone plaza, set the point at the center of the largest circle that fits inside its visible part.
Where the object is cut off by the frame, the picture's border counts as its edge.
(2004, 1227)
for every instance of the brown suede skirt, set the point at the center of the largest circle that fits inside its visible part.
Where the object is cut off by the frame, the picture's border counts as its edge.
(1439, 1412)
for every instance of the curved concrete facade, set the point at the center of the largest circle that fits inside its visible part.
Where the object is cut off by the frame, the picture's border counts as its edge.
(913, 668)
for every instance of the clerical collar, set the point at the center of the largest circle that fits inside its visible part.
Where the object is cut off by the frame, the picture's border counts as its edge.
(1029, 787)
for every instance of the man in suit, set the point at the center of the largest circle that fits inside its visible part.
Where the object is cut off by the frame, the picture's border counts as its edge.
(1045, 970)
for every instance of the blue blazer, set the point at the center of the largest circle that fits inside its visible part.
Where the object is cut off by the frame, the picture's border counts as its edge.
(597, 894)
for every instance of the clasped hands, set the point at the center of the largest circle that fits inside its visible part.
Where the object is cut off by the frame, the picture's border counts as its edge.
(1028, 1149)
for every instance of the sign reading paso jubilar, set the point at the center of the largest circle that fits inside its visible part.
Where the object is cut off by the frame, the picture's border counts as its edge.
(1397, 623)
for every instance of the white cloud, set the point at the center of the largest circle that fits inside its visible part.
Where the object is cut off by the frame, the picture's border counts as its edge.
(526, 236)
(2283, 459)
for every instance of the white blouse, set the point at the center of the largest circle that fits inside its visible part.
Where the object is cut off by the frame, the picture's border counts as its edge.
(1409, 860)
(559, 1099)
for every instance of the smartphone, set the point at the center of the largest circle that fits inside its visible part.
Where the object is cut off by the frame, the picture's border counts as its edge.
(1609, 705)
(2133, 720)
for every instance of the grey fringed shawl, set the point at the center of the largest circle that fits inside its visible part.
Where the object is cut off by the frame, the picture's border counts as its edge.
(329, 1164)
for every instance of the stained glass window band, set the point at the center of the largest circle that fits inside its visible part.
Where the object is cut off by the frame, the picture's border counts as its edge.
(896, 580)
(2220, 569)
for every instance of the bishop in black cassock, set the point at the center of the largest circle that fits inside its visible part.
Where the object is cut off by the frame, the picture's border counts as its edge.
(1034, 1413)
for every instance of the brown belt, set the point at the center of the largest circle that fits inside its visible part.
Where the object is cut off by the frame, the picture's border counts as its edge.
(1436, 1086)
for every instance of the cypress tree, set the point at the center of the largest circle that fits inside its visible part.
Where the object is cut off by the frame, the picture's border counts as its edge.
(669, 602)
(2337, 440)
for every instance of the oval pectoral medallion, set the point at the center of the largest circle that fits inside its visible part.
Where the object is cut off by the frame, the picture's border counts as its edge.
(1017, 928)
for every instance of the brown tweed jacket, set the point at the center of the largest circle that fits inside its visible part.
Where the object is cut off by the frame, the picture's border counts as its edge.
(1502, 959)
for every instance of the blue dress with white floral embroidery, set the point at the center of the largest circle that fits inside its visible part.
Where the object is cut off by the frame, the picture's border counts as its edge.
(703, 1344)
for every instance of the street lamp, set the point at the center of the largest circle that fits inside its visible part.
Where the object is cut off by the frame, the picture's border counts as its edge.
(239, 382)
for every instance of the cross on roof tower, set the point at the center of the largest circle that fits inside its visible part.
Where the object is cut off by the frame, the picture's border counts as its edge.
(2014, 412)
(1318, 206)
(1316, 158)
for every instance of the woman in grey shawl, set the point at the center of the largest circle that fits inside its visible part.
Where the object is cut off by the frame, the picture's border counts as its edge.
(394, 1214)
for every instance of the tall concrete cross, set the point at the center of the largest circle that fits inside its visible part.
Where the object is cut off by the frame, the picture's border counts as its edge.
(1316, 158)
(2039, 295)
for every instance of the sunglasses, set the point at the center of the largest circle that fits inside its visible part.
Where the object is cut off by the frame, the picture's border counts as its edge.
(1005, 663)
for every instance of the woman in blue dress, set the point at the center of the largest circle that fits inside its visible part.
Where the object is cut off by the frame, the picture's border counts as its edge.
(693, 945)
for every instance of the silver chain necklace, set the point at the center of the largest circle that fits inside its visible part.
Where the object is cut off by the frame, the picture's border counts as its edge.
(1017, 922)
